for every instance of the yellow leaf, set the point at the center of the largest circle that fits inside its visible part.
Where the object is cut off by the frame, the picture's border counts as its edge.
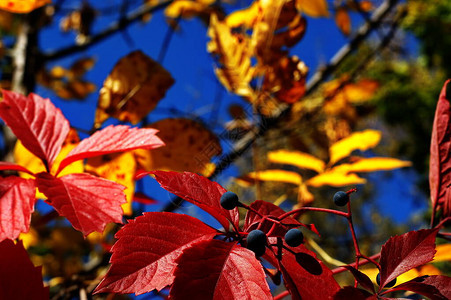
(22, 6)
(443, 253)
(189, 147)
(245, 17)
(133, 89)
(427, 269)
(270, 175)
(30, 238)
(186, 9)
(304, 195)
(296, 158)
(118, 167)
(377, 164)
(335, 178)
(343, 20)
(363, 140)
(313, 8)
(234, 56)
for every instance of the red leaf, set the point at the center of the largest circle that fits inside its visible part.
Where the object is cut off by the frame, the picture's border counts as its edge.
(11, 166)
(143, 198)
(362, 278)
(350, 292)
(88, 202)
(200, 191)
(253, 220)
(36, 122)
(19, 278)
(435, 287)
(17, 198)
(440, 160)
(219, 270)
(404, 252)
(306, 277)
(113, 139)
(144, 256)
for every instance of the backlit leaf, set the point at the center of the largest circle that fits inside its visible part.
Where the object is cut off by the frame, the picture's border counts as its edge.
(245, 17)
(186, 8)
(271, 175)
(144, 256)
(113, 139)
(343, 20)
(362, 140)
(199, 191)
(435, 287)
(440, 162)
(134, 87)
(377, 164)
(296, 158)
(443, 253)
(118, 167)
(22, 6)
(35, 121)
(407, 251)
(191, 151)
(19, 278)
(335, 177)
(17, 198)
(88, 202)
(219, 270)
(234, 57)
(313, 8)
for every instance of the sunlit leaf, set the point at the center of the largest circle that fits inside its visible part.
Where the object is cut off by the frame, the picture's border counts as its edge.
(234, 57)
(362, 140)
(443, 253)
(134, 87)
(343, 20)
(22, 6)
(191, 151)
(245, 17)
(313, 8)
(118, 167)
(186, 9)
(271, 175)
(296, 158)
(335, 177)
(377, 164)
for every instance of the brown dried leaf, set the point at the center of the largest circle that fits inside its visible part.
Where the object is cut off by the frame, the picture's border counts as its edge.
(133, 89)
(189, 147)
(343, 20)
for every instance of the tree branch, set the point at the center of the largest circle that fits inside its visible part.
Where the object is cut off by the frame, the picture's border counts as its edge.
(321, 75)
(116, 27)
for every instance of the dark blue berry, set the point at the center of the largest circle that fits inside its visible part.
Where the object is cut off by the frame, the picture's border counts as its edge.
(229, 200)
(256, 242)
(341, 198)
(388, 285)
(294, 237)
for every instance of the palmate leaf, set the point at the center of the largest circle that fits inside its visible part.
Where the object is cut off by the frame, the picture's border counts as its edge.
(216, 269)
(17, 198)
(19, 278)
(88, 202)
(407, 251)
(199, 191)
(144, 257)
(440, 160)
(113, 139)
(35, 121)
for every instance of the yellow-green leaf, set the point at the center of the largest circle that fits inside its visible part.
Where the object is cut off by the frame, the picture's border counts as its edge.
(270, 175)
(313, 8)
(296, 158)
(335, 178)
(362, 140)
(378, 164)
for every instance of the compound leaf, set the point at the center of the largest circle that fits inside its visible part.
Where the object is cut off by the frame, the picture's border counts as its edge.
(298, 159)
(362, 140)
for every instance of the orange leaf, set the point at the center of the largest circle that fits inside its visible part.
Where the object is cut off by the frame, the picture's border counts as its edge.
(296, 158)
(133, 89)
(189, 147)
(21, 6)
(343, 20)
(443, 253)
(245, 17)
(117, 167)
(363, 140)
(313, 8)
(270, 175)
(186, 8)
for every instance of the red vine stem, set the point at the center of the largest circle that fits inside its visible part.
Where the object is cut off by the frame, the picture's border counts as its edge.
(365, 261)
